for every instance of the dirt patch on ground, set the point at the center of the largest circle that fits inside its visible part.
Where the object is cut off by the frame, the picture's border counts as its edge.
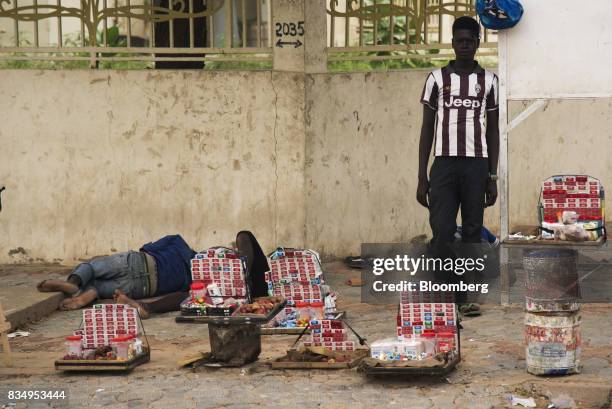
(510, 348)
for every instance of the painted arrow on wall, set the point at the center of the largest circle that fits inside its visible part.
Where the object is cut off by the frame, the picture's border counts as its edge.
(295, 44)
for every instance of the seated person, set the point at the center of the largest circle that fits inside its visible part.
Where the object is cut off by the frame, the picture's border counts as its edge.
(161, 268)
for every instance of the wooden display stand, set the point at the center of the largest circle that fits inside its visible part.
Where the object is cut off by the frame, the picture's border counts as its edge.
(353, 359)
(108, 365)
(102, 365)
(5, 327)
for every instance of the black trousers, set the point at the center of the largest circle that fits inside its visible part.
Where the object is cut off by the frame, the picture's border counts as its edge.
(456, 183)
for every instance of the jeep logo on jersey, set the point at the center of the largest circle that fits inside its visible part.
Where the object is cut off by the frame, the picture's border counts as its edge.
(462, 102)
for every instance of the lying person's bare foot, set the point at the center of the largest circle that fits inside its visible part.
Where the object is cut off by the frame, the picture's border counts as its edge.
(121, 298)
(71, 303)
(80, 301)
(50, 286)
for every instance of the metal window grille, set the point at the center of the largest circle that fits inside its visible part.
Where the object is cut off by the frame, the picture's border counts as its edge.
(379, 30)
(96, 31)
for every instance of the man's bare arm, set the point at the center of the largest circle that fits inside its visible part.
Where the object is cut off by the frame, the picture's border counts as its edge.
(492, 136)
(425, 144)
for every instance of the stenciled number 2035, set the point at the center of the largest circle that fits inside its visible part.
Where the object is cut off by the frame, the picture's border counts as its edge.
(290, 29)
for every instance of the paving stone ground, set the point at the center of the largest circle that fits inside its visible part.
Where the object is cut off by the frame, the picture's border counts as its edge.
(492, 348)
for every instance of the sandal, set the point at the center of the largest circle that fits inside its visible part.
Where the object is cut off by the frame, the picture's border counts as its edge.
(470, 310)
(354, 262)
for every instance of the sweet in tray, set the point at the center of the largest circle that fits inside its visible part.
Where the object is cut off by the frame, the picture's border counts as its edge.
(259, 307)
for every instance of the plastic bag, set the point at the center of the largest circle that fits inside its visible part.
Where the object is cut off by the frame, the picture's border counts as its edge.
(571, 232)
(499, 14)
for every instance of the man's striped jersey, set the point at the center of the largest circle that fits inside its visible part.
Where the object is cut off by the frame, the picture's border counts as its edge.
(460, 101)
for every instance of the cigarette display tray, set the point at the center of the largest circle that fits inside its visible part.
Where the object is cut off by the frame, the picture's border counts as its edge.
(555, 243)
(102, 365)
(355, 357)
(408, 370)
(232, 320)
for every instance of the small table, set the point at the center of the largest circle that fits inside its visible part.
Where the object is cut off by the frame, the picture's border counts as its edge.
(537, 243)
(234, 340)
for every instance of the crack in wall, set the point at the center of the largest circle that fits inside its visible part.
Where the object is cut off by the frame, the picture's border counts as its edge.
(275, 158)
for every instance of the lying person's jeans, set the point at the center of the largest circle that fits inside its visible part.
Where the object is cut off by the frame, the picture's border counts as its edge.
(124, 271)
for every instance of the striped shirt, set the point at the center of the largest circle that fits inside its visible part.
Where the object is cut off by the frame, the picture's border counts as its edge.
(460, 102)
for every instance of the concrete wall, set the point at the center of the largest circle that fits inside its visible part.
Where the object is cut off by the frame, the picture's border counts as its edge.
(362, 157)
(102, 161)
(565, 136)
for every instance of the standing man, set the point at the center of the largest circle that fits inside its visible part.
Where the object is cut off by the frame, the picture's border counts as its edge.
(461, 113)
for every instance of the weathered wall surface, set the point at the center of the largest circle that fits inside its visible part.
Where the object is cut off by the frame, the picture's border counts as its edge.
(565, 136)
(103, 161)
(362, 132)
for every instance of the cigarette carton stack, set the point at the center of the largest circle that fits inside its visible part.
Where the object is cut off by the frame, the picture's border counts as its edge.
(222, 269)
(104, 322)
(426, 326)
(329, 334)
(425, 313)
(581, 194)
(298, 296)
(290, 266)
(297, 276)
(298, 292)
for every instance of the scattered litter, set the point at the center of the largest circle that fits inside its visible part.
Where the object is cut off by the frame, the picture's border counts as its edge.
(355, 282)
(19, 334)
(100, 390)
(562, 402)
(524, 402)
(472, 339)
(520, 236)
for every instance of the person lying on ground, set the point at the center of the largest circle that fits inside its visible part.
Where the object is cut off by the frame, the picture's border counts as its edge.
(160, 269)
(256, 264)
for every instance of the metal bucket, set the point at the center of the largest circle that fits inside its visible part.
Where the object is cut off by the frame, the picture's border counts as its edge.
(551, 279)
(552, 343)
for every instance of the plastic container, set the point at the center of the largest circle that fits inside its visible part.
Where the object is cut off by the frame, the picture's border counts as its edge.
(385, 350)
(131, 346)
(445, 342)
(429, 343)
(317, 311)
(302, 310)
(410, 350)
(198, 292)
(121, 346)
(303, 313)
(74, 345)
(138, 345)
